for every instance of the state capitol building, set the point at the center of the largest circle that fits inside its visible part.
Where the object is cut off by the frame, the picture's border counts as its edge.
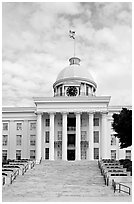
(74, 124)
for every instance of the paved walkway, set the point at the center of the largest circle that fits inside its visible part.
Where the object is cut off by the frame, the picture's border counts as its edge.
(62, 181)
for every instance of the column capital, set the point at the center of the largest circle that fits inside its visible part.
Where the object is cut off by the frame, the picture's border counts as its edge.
(90, 113)
(52, 113)
(64, 113)
(104, 113)
(78, 113)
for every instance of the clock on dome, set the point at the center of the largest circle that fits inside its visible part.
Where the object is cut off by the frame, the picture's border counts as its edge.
(72, 91)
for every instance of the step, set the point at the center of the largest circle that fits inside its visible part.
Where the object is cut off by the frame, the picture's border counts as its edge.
(52, 180)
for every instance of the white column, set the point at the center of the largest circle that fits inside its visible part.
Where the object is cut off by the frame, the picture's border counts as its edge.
(78, 137)
(64, 136)
(109, 138)
(63, 90)
(104, 136)
(91, 145)
(38, 137)
(51, 147)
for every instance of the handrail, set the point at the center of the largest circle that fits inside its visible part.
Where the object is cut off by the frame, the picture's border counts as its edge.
(114, 184)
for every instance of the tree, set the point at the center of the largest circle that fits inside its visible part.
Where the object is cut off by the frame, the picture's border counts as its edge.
(122, 125)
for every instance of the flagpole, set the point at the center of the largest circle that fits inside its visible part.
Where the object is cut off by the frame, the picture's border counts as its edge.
(74, 47)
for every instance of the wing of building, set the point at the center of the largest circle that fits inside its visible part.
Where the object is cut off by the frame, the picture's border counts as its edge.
(75, 124)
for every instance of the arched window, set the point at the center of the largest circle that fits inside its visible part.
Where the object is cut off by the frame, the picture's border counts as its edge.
(87, 90)
(61, 91)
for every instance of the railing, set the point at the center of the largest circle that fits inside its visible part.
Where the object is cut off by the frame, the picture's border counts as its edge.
(71, 128)
(3, 180)
(114, 184)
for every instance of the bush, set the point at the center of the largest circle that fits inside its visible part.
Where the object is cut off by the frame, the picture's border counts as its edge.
(126, 164)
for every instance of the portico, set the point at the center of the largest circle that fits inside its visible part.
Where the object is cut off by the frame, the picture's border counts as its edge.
(77, 131)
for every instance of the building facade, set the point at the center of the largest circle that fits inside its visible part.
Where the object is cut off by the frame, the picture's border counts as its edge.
(75, 124)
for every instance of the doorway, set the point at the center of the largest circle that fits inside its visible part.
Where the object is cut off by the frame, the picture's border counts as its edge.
(71, 140)
(70, 155)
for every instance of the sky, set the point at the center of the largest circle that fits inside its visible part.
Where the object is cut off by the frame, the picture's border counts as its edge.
(36, 47)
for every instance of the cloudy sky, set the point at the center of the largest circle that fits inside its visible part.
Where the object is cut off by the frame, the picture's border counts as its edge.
(36, 47)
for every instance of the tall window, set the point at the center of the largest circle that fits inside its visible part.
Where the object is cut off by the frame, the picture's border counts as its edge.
(83, 122)
(83, 135)
(128, 154)
(47, 122)
(60, 122)
(61, 91)
(113, 140)
(32, 126)
(5, 126)
(113, 154)
(32, 140)
(46, 153)
(96, 153)
(47, 137)
(59, 135)
(96, 136)
(5, 138)
(83, 154)
(19, 126)
(96, 121)
(4, 155)
(32, 154)
(87, 90)
(18, 140)
(18, 154)
(59, 154)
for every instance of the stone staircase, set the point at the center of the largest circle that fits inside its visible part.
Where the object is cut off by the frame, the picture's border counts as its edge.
(60, 181)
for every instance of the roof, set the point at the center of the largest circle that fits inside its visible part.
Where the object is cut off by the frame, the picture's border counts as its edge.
(75, 72)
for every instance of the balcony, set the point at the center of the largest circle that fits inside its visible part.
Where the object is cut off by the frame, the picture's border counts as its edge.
(71, 128)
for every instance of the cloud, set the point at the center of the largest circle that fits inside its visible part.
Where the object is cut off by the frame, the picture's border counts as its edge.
(36, 47)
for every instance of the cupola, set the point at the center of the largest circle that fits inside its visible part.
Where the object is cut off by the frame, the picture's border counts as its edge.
(74, 80)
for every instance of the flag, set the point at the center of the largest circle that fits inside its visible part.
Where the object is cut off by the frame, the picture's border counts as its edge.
(72, 34)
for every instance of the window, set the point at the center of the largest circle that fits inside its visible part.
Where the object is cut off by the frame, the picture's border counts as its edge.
(32, 140)
(128, 154)
(19, 126)
(83, 135)
(18, 140)
(46, 153)
(5, 126)
(59, 154)
(113, 140)
(83, 122)
(87, 90)
(32, 126)
(32, 154)
(61, 91)
(96, 121)
(4, 155)
(5, 138)
(47, 137)
(96, 136)
(96, 153)
(47, 122)
(18, 154)
(83, 154)
(113, 154)
(60, 122)
(59, 135)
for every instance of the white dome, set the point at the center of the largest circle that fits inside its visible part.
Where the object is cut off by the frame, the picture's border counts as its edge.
(75, 71)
